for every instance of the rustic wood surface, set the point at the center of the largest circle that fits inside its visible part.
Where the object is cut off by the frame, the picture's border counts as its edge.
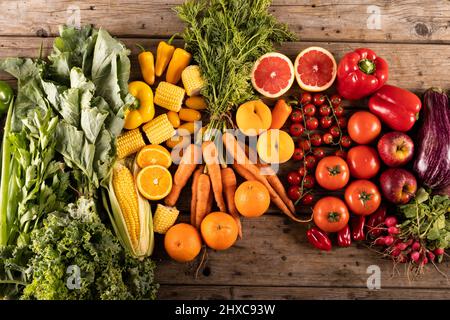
(273, 260)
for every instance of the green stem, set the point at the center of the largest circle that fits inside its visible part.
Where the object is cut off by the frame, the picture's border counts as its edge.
(367, 66)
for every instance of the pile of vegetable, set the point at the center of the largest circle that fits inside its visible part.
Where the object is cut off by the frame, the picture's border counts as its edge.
(59, 147)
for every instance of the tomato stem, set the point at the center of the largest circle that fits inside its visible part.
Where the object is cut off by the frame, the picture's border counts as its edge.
(367, 66)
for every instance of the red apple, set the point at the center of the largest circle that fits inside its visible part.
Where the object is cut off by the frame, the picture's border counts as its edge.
(398, 185)
(395, 149)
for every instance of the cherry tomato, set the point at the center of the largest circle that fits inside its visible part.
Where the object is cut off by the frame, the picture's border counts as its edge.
(294, 178)
(326, 122)
(307, 199)
(296, 129)
(363, 162)
(364, 127)
(302, 171)
(312, 123)
(346, 141)
(342, 122)
(332, 173)
(308, 181)
(319, 99)
(327, 138)
(310, 161)
(324, 110)
(309, 109)
(338, 111)
(298, 154)
(294, 193)
(304, 144)
(319, 153)
(336, 100)
(362, 197)
(335, 132)
(296, 116)
(316, 139)
(341, 153)
(330, 214)
(305, 98)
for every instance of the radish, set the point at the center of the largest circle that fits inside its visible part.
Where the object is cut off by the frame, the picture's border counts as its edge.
(431, 255)
(388, 240)
(415, 256)
(393, 230)
(439, 251)
(424, 261)
(402, 246)
(396, 252)
(416, 246)
(390, 221)
(380, 241)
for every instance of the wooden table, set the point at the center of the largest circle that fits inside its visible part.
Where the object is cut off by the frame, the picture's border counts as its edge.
(273, 261)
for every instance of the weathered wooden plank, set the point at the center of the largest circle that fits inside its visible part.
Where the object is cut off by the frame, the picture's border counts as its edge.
(412, 66)
(274, 252)
(199, 292)
(321, 20)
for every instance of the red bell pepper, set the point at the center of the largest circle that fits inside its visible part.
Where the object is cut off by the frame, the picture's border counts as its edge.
(360, 73)
(396, 107)
(374, 224)
(358, 223)
(318, 239)
(344, 237)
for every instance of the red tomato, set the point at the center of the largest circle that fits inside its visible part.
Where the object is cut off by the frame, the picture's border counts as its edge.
(305, 98)
(363, 162)
(309, 109)
(326, 122)
(336, 100)
(308, 181)
(310, 162)
(294, 193)
(298, 154)
(319, 153)
(342, 122)
(296, 129)
(341, 153)
(304, 144)
(302, 171)
(319, 99)
(327, 138)
(364, 127)
(307, 199)
(330, 214)
(312, 123)
(294, 178)
(324, 110)
(296, 116)
(332, 173)
(316, 139)
(346, 141)
(362, 197)
(338, 111)
(335, 131)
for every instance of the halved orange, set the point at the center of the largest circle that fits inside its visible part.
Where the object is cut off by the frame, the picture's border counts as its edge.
(154, 182)
(154, 154)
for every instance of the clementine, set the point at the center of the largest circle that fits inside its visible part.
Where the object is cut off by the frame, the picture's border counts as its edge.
(219, 230)
(182, 242)
(252, 199)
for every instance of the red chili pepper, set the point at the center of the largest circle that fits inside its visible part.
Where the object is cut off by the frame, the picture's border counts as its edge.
(358, 223)
(360, 73)
(374, 222)
(396, 107)
(318, 239)
(344, 237)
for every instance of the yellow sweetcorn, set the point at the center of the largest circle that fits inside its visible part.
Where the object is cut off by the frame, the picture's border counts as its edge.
(164, 218)
(159, 129)
(129, 142)
(192, 80)
(169, 96)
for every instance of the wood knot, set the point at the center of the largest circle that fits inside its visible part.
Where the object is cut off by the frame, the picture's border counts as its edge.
(42, 33)
(422, 29)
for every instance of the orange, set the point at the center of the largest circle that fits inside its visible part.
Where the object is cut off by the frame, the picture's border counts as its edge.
(252, 199)
(275, 146)
(153, 154)
(182, 242)
(253, 117)
(154, 182)
(219, 230)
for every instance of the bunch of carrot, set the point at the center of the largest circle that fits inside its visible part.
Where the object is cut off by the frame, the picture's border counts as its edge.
(215, 181)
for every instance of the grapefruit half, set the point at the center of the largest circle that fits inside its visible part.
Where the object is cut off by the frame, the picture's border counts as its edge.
(315, 69)
(272, 74)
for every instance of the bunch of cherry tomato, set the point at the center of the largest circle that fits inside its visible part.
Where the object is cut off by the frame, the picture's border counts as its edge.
(318, 121)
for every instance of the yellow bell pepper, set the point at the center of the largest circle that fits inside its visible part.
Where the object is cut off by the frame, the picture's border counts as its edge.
(147, 64)
(145, 110)
(164, 53)
(180, 60)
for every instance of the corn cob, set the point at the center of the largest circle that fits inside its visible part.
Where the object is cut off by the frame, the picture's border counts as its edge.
(164, 218)
(125, 191)
(159, 129)
(130, 142)
(169, 96)
(192, 80)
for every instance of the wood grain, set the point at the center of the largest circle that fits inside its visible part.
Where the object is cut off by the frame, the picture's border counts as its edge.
(320, 20)
(199, 292)
(412, 66)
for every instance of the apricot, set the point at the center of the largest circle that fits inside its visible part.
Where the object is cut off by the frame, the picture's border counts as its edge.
(253, 117)
(275, 146)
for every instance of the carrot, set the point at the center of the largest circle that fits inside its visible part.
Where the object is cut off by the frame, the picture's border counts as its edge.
(185, 169)
(229, 184)
(203, 192)
(277, 185)
(244, 173)
(210, 202)
(197, 173)
(280, 113)
(210, 156)
(239, 155)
